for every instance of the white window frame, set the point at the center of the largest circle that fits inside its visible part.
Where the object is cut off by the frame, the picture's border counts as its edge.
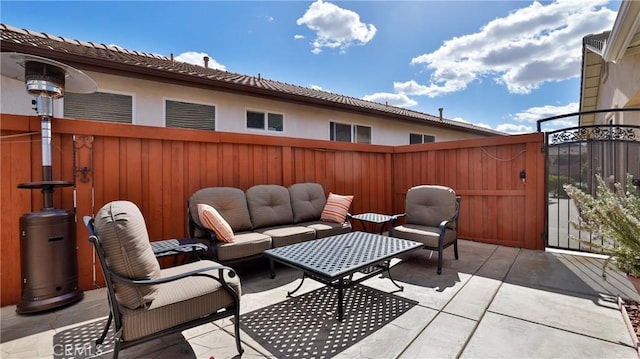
(164, 110)
(421, 137)
(353, 133)
(265, 118)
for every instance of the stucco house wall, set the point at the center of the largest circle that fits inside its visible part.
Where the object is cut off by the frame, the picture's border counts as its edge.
(300, 121)
(620, 87)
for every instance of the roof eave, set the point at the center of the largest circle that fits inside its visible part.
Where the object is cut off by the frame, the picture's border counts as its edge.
(150, 73)
(625, 27)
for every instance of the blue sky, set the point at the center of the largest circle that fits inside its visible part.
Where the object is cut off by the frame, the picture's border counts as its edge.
(498, 64)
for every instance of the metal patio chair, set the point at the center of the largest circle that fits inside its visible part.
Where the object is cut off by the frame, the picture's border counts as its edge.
(147, 302)
(431, 217)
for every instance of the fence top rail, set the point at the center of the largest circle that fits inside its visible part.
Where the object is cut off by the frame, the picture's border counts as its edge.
(594, 133)
(579, 113)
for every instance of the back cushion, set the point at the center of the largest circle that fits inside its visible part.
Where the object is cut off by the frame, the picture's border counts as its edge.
(230, 202)
(307, 201)
(429, 205)
(269, 205)
(122, 233)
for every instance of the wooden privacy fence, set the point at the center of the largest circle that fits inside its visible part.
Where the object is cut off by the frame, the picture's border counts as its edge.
(159, 168)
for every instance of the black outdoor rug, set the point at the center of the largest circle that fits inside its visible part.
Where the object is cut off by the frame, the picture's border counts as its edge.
(306, 326)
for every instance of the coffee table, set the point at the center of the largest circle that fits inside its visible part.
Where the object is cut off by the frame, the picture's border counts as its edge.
(375, 220)
(334, 260)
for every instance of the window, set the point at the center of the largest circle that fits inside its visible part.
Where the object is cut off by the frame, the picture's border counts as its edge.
(362, 134)
(339, 132)
(100, 106)
(265, 121)
(190, 115)
(420, 138)
(343, 132)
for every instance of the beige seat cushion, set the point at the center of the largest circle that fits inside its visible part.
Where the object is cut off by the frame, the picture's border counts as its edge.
(244, 244)
(179, 301)
(285, 235)
(122, 233)
(307, 201)
(269, 205)
(326, 229)
(429, 205)
(424, 234)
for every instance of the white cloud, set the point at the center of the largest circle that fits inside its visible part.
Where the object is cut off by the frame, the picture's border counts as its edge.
(316, 87)
(393, 99)
(460, 119)
(534, 114)
(483, 125)
(197, 58)
(514, 129)
(298, 37)
(530, 46)
(270, 18)
(335, 27)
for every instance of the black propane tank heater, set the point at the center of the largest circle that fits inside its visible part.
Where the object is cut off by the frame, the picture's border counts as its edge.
(48, 256)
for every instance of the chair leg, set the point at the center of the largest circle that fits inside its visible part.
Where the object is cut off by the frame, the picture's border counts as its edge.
(455, 248)
(440, 261)
(116, 349)
(237, 329)
(272, 268)
(105, 330)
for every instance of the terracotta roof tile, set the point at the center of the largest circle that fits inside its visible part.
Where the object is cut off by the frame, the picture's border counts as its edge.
(112, 56)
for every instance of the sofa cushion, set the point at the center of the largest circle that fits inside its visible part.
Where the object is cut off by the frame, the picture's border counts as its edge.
(326, 229)
(122, 232)
(307, 201)
(429, 205)
(336, 208)
(429, 236)
(285, 235)
(180, 301)
(269, 205)
(245, 244)
(211, 219)
(230, 202)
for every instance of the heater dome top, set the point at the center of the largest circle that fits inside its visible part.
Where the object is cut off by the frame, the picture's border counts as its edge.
(12, 64)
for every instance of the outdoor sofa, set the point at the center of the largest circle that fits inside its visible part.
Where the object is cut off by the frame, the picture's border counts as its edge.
(265, 216)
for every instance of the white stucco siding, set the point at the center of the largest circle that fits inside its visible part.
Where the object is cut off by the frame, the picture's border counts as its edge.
(299, 120)
(621, 87)
(15, 100)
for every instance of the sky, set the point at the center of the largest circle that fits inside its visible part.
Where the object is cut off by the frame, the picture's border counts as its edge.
(496, 64)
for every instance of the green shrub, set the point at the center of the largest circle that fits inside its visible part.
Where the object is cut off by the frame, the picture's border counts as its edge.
(614, 217)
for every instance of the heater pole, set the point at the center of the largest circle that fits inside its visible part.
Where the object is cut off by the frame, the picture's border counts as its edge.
(47, 191)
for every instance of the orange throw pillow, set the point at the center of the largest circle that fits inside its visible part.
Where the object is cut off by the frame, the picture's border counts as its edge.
(211, 219)
(336, 208)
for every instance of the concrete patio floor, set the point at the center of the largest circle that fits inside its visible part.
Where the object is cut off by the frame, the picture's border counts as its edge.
(494, 302)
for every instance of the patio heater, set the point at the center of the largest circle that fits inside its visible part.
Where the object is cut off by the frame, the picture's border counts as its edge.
(48, 258)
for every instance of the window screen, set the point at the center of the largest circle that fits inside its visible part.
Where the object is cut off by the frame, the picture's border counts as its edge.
(100, 106)
(255, 120)
(190, 115)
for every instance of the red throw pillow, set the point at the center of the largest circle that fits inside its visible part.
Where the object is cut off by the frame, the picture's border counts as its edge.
(211, 219)
(336, 208)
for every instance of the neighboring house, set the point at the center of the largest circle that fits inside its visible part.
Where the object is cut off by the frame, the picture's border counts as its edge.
(611, 70)
(152, 90)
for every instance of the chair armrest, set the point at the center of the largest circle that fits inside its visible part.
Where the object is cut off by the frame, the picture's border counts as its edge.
(193, 273)
(444, 225)
(396, 217)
